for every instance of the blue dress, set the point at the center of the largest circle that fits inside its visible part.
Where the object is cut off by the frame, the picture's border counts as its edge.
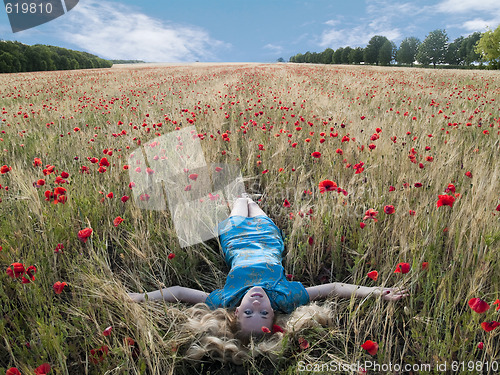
(253, 248)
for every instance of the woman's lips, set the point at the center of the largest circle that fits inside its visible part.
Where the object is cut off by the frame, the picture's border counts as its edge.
(256, 295)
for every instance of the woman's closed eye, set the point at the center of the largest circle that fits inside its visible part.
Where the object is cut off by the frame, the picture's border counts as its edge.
(264, 312)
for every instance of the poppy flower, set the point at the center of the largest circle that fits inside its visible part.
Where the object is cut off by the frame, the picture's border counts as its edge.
(171, 256)
(125, 198)
(286, 203)
(84, 234)
(13, 371)
(418, 184)
(392, 188)
(37, 162)
(371, 347)
(311, 241)
(118, 220)
(389, 209)
(478, 305)
(30, 271)
(42, 369)
(490, 326)
(15, 270)
(110, 195)
(98, 355)
(59, 248)
(327, 185)
(497, 302)
(316, 154)
(40, 182)
(107, 331)
(193, 176)
(425, 265)
(373, 275)
(402, 268)
(265, 330)
(277, 328)
(468, 174)
(59, 286)
(362, 225)
(4, 169)
(451, 188)
(480, 345)
(371, 214)
(303, 343)
(445, 200)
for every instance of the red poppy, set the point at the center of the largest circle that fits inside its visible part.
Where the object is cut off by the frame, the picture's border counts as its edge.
(425, 265)
(478, 305)
(339, 151)
(402, 268)
(193, 176)
(107, 331)
(389, 209)
(451, 188)
(303, 343)
(311, 241)
(171, 256)
(42, 369)
(59, 248)
(371, 347)
(98, 355)
(59, 191)
(445, 200)
(30, 271)
(125, 198)
(468, 174)
(104, 162)
(371, 214)
(286, 203)
(373, 275)
(362, 225)
(110, 195)
(277, 328)
(327, 185)
(40, 182)
(59, 286)
(4, 169)
(316, 154)
(118, 220)
(265, 330)
(37, 162)
(490, 326)
(497, 302)
(15, 270)
(84, 234)
(392, 188)
(418, 184)
(13, 371)
(480, 345)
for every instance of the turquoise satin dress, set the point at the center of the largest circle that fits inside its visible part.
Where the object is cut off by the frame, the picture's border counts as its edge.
(253, 248)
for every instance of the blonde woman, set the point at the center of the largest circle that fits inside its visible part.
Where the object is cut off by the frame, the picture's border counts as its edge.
(256, 286)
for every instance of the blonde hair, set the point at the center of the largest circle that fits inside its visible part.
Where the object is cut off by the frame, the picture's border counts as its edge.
(214, 333)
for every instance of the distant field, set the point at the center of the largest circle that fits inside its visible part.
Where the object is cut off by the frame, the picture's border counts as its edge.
(414, 139)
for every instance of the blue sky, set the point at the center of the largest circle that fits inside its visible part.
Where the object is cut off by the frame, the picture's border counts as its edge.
(247, 31)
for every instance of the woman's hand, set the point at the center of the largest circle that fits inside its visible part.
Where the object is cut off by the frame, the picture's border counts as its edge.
(137, 297)
(391, 294)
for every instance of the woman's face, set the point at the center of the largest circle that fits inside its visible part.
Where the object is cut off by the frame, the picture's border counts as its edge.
(254, 311)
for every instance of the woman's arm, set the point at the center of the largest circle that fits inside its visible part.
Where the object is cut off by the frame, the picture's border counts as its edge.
(171, 294)
(347, 290)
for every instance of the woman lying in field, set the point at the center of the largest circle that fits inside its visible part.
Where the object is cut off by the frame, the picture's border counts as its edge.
(256, 285)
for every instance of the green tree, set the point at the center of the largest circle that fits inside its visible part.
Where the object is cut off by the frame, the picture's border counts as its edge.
(372, 50)
(387, 53)
(433, 48)
(337, 56)
(345, 55)
(326, 56)
(453, 56)
(467, 50)
(488, 47)
(407, 51)
(356, 55)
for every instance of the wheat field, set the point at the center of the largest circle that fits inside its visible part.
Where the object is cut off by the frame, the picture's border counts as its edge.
(408, 138)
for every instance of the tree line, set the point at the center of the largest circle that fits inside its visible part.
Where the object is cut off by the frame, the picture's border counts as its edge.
(16, 57)
(434, 50)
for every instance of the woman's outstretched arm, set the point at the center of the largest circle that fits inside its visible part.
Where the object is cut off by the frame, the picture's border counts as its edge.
(171, 294)
(347, 290)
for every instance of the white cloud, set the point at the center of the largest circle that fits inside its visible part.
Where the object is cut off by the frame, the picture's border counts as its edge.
(478, 24)
(274, 48)
(116, 31)
(466, 6)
